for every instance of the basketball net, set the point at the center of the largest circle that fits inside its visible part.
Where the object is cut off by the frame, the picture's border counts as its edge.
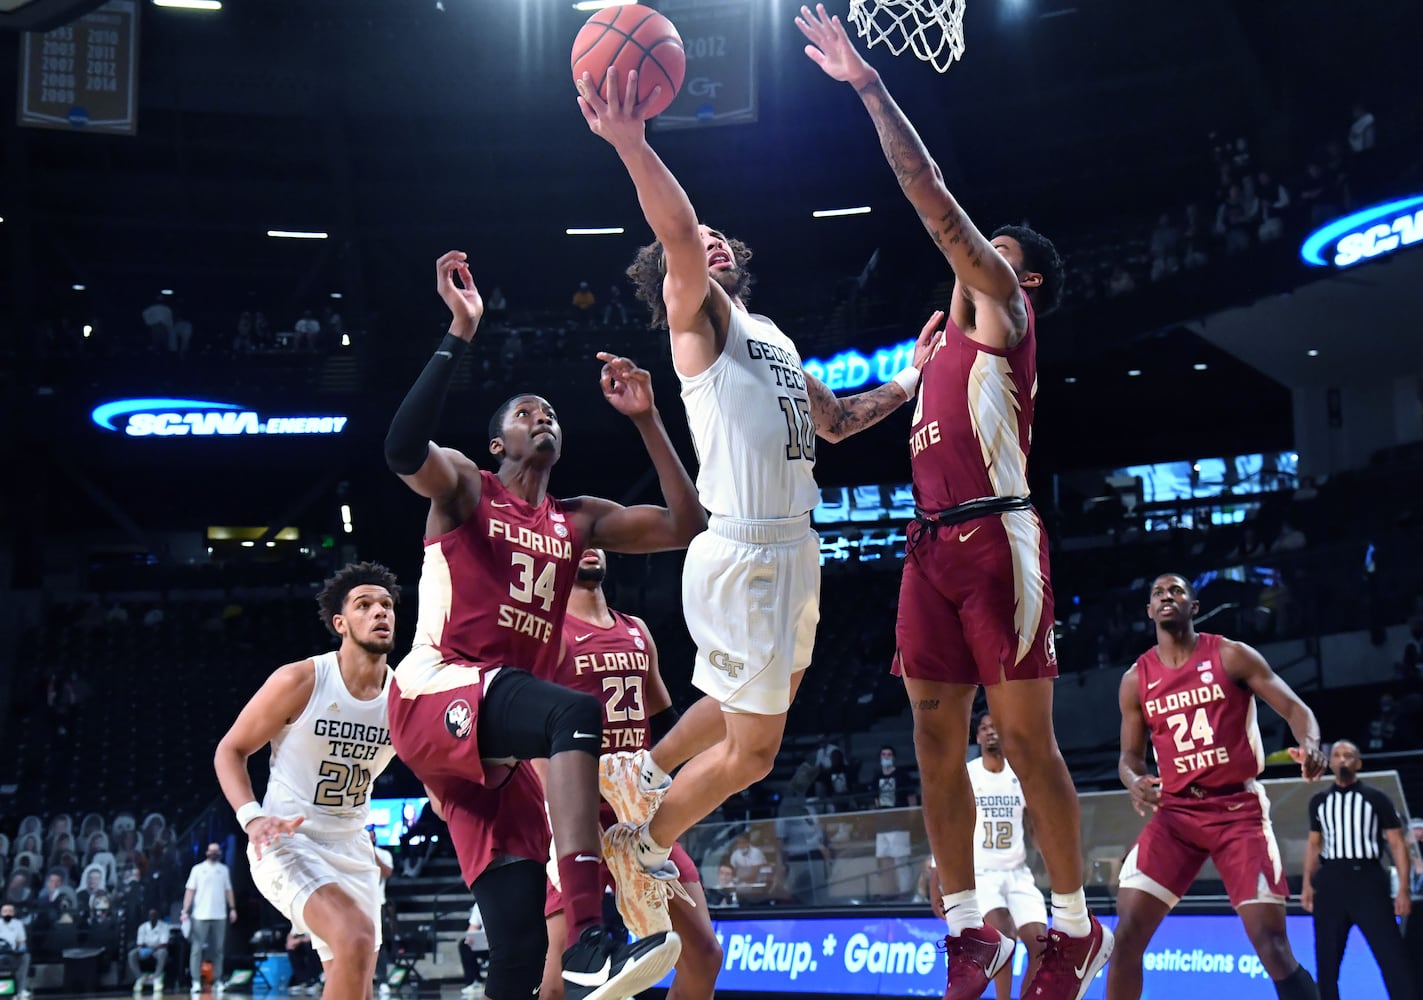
(932, 28)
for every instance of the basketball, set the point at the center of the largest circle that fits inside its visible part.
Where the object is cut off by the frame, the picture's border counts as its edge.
(630, 38)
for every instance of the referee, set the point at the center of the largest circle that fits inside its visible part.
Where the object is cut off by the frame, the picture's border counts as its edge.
(1344, 880)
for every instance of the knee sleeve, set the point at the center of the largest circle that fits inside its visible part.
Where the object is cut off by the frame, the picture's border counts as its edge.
(526, 718)
(511, 899)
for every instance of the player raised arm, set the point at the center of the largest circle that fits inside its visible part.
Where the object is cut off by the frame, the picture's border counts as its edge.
(1244, 665)
(987, 280)
(643, 528)
(276, 703)
(446, 476)
(838, 417)
(695, 304)
(1144, 786)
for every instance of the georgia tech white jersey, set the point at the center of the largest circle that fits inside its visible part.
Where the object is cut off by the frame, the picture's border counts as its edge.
(999, 841)
(750, 420)
(324, 763)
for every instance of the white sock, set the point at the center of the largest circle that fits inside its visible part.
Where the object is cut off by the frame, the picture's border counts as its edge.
(961, 911)
(1069, 914)
(650, 852)
(651, 778)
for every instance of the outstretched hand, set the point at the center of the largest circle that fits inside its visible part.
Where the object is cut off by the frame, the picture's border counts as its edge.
(619, 118)
(1146, 794)
(928, 337)
(626, 386)
(830, 47)
(466, 305)
(267, 830)
(1311, 760)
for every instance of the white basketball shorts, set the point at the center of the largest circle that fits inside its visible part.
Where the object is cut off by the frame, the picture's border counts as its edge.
(292, 870)
(751, 596)
(1013, 890)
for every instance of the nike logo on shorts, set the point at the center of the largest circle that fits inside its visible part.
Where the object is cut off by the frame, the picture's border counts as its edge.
(584, 736)
(964, 538)
(443, 354)
(1238, 805)
(581, 638)
(586, 857)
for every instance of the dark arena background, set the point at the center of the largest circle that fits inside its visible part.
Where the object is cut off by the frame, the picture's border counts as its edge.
(1232, 389)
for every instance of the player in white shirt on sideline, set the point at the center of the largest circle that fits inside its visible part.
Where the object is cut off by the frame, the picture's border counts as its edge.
(1008, 896)
(328, 724)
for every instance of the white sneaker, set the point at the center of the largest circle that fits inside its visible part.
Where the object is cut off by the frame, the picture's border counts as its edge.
(622, 784)
(196, 988)
(158, 986)
(217, 989)
(385, 989)
(138, 986)
(468, 991)
(641, 894)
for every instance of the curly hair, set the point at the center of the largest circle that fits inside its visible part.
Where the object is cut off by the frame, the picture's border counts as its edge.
(334, 591)
(649, 268)
(1041, 256)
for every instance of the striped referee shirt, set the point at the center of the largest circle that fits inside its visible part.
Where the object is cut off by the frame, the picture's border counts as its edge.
(1351, 820)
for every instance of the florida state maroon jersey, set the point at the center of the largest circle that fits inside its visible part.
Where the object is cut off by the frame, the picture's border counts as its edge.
(611, 664)
(1202, 723)
(494, 591)
(973, 419)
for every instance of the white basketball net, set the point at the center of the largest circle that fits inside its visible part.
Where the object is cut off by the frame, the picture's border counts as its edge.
(932, 28)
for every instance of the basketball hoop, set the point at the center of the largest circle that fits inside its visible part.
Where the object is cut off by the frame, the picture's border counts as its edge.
(932, 28)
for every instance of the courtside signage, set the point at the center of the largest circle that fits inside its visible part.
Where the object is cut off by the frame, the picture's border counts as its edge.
(1366, 234)
(203, 418)
(851, 369)
(898, 956)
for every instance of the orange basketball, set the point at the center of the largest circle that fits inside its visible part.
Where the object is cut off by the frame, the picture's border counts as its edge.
(632, 37)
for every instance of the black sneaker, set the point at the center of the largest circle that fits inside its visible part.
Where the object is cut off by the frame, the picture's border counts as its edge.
(597, 969)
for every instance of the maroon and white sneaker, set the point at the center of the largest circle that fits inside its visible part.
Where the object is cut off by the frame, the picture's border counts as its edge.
(1069, 964)
(975, 956)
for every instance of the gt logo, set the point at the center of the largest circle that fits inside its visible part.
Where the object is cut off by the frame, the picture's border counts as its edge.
(723, 662)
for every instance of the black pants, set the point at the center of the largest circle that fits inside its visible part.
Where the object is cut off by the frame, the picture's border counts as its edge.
(1349, 894)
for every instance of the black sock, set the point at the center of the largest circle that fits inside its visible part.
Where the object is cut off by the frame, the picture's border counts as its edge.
(1297, 986)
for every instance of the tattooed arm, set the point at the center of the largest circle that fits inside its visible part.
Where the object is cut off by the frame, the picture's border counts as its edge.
(988, 304)
(837, 417)
(974, 261)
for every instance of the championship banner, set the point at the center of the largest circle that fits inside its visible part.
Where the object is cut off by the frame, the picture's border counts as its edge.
(720, 85)
(84, 75)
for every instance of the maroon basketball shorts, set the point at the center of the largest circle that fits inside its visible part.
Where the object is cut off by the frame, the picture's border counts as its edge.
(975, 602)
(1233, 830)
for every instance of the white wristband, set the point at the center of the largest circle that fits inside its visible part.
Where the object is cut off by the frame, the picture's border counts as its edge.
(248, 813)
(908, 380)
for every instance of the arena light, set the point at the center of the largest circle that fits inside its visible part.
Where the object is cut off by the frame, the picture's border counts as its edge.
(88, 331)
(1134, 372)
(166, 291)
(294, 234)
(77, 288)
(1312, 353)
(1198, 366)
(335, 295)
(345, 340)
(189, 4)
(834, 213)
(609, 231)
(1071, 380)
(586, 5)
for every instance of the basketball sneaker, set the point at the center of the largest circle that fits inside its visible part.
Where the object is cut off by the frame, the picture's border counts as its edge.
(1069, 964)
(642, 893)
(975, 956)
(624, 784)
(597, 969)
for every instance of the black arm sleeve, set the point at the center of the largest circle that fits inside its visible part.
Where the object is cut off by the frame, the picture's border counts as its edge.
(661, 724)
(407, 443)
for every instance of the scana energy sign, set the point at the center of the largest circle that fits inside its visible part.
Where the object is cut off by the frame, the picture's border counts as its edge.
(202, 418)
(1366, 234)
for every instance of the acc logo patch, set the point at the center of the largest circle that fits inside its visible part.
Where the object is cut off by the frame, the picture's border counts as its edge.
(459, 718)
(560, 531)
